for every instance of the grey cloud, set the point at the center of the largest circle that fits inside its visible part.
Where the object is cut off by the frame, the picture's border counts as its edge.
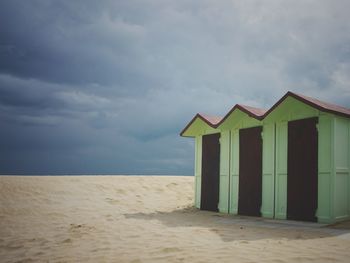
(27, 93)
(106, 86)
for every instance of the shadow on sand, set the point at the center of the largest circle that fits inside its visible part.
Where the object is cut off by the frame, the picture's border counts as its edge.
(230, 227)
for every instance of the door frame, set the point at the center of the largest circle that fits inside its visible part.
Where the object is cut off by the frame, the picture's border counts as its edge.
(210, 175)
(302, 170)
(247, 206)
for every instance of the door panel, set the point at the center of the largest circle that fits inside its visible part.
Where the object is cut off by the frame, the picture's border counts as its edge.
(210, 172)
(250, 171)
(302, 170)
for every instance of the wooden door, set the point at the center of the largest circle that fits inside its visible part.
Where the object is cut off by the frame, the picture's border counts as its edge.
(210, 172)
(302, 170)
(250, 171)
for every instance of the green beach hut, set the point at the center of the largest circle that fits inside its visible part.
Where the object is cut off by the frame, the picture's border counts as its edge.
(207, 152)
(289, 162)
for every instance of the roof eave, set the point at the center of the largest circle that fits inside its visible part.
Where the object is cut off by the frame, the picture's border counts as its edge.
(307, 102)
(198, 115)
(241, 108)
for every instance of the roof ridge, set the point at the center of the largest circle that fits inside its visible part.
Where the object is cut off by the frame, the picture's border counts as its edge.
(254, 112)
(212, 121)
(260, 114)
(321, 101)
(248, 106)
(322, 105)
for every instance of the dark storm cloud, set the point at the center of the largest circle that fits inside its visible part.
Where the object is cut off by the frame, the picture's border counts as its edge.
(105, 86)
(64, 42)
(26, 94)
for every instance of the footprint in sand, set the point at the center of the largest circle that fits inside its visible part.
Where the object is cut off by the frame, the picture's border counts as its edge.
(67, 240)
(159, 190)
(101, 187)
(109, 217)
(120, 191)
(13, 246)
(112, 201)
(171, 186)
(215, 230)
(170, 249)
(78, 230)
(299, 236)
(25, 260)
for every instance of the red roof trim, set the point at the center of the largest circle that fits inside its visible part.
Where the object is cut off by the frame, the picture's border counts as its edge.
(315, 103)
(212, 121)
(260, 114)
(251, 111)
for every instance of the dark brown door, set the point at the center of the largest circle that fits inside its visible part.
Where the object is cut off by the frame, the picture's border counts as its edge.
(250, 169)
(210, 172)
(302, 170)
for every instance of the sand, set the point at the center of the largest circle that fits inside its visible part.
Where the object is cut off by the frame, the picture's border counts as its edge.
(144, 219)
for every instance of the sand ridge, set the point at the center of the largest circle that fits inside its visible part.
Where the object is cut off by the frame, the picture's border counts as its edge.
(143, 219)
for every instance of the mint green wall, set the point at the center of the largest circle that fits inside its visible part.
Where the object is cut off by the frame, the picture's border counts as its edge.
(281, 170)
(325, 168)
(341, 169)
(198, 171)
(234, 171)
(224, 171)
(268, 182)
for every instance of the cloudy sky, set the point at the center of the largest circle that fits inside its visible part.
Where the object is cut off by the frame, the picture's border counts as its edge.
(105, 87)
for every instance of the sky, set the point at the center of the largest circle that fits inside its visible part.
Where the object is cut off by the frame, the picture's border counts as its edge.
(105, 87)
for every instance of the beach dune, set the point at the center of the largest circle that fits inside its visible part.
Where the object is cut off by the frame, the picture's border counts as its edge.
(144, 219)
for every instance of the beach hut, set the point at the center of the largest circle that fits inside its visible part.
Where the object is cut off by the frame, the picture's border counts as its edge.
(289, 162)
(207, 160)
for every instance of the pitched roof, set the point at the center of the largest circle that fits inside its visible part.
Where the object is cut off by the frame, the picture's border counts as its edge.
(260, 114)
(212, 121)
(257, 112)
(315, 103)
(251, 111)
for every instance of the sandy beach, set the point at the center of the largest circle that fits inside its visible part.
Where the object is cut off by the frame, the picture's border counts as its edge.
(145, 219)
